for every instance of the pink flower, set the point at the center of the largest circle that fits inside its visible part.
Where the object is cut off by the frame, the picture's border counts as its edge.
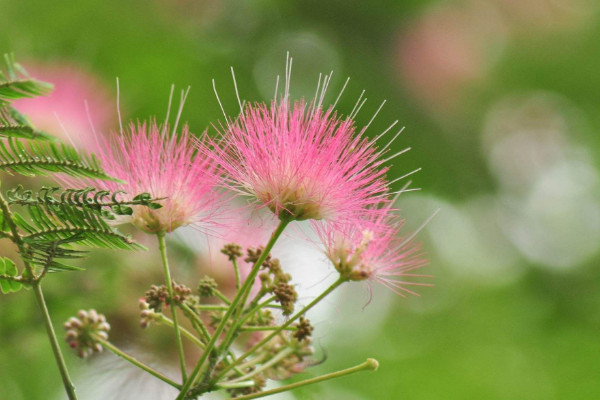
(447, 51)
(73, 86)
(302, 162)
(151, 160)
(373, 249)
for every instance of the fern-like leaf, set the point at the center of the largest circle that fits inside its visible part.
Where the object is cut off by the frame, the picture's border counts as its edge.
(49, 255)
(15, 83)
(60, 218)
(52, 229)
(84, 226)
(45, 158)
(16, 125)
(99, 200)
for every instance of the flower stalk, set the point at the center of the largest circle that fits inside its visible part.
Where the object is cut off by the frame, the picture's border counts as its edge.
(60, 360)
(135, 361)
(239, 300)
(169, 322)
(163, 253)
(287, 323)
(370, 365)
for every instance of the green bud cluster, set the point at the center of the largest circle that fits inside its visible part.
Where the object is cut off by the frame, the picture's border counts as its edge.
(303, 329)
(232, 251)
(207, 287)
(83, 330)
(157, 296)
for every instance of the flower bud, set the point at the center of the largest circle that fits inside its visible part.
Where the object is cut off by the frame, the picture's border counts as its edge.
(303, 329)
(156, 297)
(207, 287)
(84, 331)
(286, 296)
(232, 251)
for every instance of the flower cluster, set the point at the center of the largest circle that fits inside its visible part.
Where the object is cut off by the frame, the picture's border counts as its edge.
(303, 162)
(296, 161)
(291, 160)
(85, 332)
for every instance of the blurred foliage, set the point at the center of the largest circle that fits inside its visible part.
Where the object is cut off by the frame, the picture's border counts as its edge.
(534, 336)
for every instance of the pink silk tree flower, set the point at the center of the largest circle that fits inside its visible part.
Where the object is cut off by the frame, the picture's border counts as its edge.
(373, 249)
(149, 159)
(64, 113)
(301, 162)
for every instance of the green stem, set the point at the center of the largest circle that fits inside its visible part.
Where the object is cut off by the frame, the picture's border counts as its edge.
(223, 298)
(273, 361)
(13, 278)
(237, 274)
(16, 236)
(210, 307)
(60, 360)
(275, 306)
(256, 360)
(369, 365)
(163, 253)
(8, 218)
(235, 321)
(241, 294)
(261, 293)
(287, 323)
(262, 328)
(202, 331)
(236, 385)
(184, 331)
(195, 319)
(238, 371)
(255, 308)
(135, 362)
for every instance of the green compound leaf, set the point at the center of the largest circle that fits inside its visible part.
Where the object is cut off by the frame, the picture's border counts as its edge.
(81, 225)
(8, 276)
(15, 83)
(16, 125)
(46, 254)
(89, 197)
(52, 230)
(3, 225)
(59, 219)
(45, 158)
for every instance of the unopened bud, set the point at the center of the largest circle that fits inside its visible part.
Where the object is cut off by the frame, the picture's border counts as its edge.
(143, 304)
(303, 329)
(232, 251)
(207, 287)
(83, 331)
(286, 296)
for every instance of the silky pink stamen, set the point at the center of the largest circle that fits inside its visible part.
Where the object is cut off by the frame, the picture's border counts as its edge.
(383, 255)
(152, 160)
(301, 162)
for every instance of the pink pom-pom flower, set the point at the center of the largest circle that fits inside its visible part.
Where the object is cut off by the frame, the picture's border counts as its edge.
(374, 249)
(150, 159)
(64, 112)
(302, 162)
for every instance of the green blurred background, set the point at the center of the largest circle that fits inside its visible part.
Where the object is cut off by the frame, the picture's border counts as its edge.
(500, 100)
